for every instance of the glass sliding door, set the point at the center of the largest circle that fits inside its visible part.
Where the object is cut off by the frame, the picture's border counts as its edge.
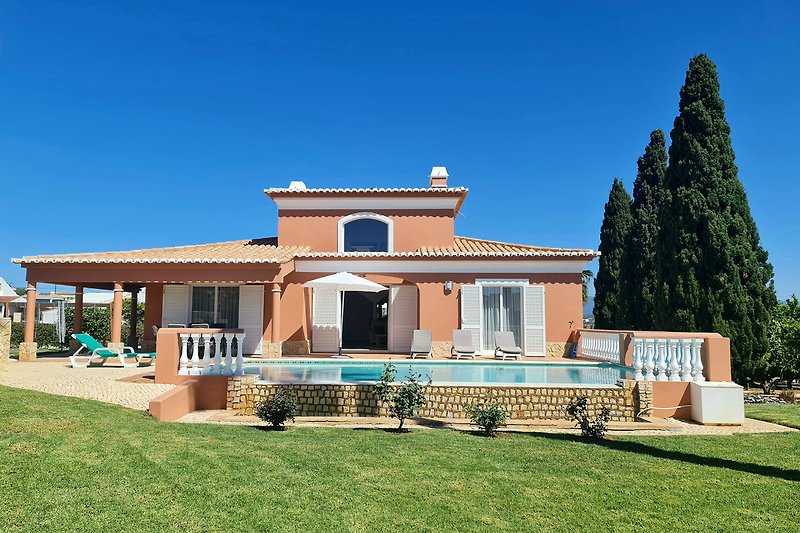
(491, 316)
(502, 311)
(202, 305)
(215, 306)
(511, 306)
(228, 307)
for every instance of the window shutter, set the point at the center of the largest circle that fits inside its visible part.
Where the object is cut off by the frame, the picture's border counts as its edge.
(402, 317)
(535, 343)
(325, 328)
(251, 317)
(175, 306)
(471, 312)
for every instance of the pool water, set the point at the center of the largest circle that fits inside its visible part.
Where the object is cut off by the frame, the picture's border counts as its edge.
(440, 372)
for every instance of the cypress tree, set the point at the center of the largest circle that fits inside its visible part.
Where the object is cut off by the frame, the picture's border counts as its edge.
(713, 272)
(614, 232)
(639, 265)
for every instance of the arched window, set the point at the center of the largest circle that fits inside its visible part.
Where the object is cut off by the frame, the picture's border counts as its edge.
(365, 232)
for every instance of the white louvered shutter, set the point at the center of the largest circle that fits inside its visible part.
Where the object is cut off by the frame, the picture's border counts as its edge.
(251, 317)
(325, 329)
(535, 343)
(402, 317)
(175, 306)
(471, 312)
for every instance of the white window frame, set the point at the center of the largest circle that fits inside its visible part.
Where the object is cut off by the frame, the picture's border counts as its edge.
(374, 216)
(216, 298)
(501, 282)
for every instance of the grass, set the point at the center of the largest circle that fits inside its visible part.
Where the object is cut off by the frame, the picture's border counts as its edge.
(783, 414)
(70, 464)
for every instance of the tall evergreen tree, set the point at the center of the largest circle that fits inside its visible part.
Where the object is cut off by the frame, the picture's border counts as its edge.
(639, 265)
(614, 232)
(713, 272)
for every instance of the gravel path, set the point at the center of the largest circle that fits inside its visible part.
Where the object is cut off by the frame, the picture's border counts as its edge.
(95, 383)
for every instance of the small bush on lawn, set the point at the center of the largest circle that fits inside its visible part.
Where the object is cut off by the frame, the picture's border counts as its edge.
(488, 416)
(278, 409)
(578, 410)
(404, 400)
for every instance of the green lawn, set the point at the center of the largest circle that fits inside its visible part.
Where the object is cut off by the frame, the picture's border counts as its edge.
(784, 414)
(69, 464)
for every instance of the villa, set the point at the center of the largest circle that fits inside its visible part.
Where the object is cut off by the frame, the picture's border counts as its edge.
(207, 302)
(402, 238)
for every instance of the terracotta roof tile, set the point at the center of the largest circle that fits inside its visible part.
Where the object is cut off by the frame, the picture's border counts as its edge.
(266, 250)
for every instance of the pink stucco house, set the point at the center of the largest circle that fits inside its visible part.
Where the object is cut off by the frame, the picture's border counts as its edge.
(402, 238)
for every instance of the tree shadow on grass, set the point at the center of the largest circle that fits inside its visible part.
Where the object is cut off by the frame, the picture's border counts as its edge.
(692, 458)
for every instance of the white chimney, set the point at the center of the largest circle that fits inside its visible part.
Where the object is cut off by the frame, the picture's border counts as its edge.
(438, 177)
(297, 185)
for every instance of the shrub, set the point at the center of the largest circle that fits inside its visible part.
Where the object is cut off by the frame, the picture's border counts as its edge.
(404, 400)
(578, 410)
(96, 322)
(787, 396)
(45, 335)
(278, 409)
(488, 416)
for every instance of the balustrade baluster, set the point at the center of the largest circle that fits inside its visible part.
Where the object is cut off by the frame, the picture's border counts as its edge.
(697, 360)
(217, 353)
(228, 339)
(686, 363)
(661, 345)
(638, 345)
(184, 359)
(649, 360)
(239, 354)
(205, 361)
(195, 357)
(674, 366)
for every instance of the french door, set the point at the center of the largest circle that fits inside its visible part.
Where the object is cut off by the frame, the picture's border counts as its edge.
(502, 311)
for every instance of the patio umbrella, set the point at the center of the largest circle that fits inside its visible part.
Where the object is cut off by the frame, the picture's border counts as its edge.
(343, 282)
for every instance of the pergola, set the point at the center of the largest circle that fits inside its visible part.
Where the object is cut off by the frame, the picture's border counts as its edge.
(255, 261)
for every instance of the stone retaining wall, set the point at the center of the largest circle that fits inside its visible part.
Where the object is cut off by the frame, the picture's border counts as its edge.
(521, 403)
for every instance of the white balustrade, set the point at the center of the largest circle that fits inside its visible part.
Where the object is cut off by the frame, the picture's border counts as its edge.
(202, 354)
(668, 359)
(601, 346)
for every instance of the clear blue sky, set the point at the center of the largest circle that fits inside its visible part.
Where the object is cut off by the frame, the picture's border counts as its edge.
(143, 124)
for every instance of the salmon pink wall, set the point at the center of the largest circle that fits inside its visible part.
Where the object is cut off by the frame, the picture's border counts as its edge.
(320, 230)
(439, 310)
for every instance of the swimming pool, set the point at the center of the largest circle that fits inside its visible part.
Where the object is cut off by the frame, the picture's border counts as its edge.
(440, 372)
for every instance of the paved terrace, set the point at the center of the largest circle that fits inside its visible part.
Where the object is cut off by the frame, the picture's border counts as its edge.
(108, 383)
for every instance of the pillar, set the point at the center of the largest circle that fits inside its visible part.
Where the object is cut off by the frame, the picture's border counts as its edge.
(116, 318)
(77, 325)
(77, 318)
(133, 340)
(27, 348)
(275, 346)
(276, 312)
(152, 315)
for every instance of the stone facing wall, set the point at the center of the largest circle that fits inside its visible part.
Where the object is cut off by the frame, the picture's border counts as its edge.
(5, 343)
(521, 403)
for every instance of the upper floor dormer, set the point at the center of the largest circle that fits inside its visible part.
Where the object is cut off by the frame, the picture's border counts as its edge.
(373, 220)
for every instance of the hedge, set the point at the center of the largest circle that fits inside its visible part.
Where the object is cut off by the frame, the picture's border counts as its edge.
(45, 335)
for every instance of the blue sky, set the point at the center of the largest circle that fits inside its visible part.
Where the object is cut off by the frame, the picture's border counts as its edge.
(132, 124)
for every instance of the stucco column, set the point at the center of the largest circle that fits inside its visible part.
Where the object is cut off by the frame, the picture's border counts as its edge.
(116, 316)
(276, 313)
(77, 321)
(133, 340)
(27, 348)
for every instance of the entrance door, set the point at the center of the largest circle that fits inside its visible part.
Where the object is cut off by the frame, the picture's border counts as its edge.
(502, 311)
(366, 318)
